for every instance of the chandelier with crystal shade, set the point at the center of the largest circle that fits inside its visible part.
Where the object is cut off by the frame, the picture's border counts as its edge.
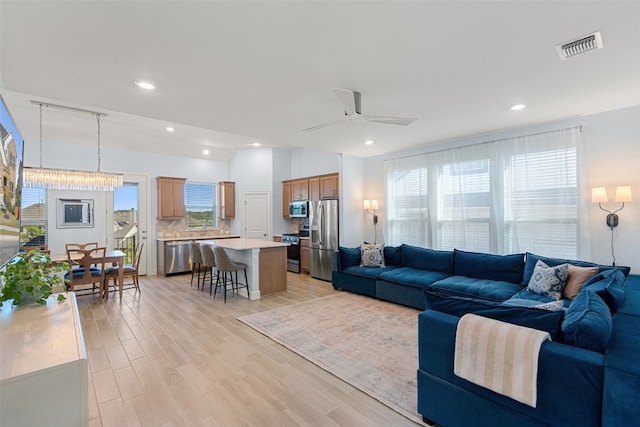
(63, 179)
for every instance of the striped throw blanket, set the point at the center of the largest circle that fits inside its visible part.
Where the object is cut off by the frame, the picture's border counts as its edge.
(499, 356)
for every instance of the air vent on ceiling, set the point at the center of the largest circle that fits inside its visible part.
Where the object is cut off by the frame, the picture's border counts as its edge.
(582, 45)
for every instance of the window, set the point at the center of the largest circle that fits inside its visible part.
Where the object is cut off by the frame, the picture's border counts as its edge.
(508, 196)
(33, 217)
(409, 209)
(200, 205)
(464, 206)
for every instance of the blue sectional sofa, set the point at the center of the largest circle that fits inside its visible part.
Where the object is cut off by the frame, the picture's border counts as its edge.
(587, 374)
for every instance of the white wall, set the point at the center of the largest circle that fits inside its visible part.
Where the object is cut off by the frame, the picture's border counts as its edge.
(305, 162)
(354, 222)
(281, 172)
(612, 146)
(251, 169)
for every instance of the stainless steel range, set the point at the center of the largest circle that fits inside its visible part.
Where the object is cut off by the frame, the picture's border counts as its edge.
(293, 250)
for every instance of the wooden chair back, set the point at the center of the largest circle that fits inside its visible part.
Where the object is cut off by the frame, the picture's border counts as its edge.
(87, 266)
(81, 246)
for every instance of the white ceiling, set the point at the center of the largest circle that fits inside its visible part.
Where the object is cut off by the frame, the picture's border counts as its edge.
(233, 73)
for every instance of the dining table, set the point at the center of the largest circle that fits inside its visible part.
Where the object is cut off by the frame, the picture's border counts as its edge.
(114, 256)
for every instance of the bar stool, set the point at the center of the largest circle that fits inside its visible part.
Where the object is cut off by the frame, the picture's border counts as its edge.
(196, 261)
(225, 265)
(209, 263)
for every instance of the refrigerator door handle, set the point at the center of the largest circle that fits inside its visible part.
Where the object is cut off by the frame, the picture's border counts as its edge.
(322, 226)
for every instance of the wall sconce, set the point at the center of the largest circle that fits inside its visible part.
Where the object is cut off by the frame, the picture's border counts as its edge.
(371, 206)
(599, 196)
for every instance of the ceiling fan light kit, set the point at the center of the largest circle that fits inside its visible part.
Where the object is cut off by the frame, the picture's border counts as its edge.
(351, 101)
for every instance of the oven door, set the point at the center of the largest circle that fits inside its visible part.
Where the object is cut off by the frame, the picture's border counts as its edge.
(293, 257)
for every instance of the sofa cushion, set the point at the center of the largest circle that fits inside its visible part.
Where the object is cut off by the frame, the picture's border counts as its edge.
(532, 259)
(575, 281)
(609, 286)
(549, 281)
(491, 290)
(393, 255)
(372, 272)
(504, 268)
(587, 323)
(410, 276)
(349, 257)
(372, 255)
(427, 259)
(543, 320)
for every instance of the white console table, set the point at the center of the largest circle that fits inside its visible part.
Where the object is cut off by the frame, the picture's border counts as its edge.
(43, 366)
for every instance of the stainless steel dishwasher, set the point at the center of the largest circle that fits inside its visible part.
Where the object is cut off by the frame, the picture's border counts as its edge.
(176, 257)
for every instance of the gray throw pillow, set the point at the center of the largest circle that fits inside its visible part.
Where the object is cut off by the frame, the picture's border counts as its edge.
(549, 281)
(372, 255)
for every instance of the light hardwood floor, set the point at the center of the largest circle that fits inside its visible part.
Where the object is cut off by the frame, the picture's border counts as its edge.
(173, 356)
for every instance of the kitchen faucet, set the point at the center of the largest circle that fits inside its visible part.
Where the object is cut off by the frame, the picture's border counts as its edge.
(203, 227)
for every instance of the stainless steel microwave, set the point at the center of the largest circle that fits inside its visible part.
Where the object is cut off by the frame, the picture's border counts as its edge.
(298, 209)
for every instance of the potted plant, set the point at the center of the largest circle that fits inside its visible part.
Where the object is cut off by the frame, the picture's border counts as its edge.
(30, 277)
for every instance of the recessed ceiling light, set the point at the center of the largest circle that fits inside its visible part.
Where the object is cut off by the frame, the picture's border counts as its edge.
(255, 144)
(517, 107)
(369, 141)
(145, 85)
(205, 152)
(170, 129)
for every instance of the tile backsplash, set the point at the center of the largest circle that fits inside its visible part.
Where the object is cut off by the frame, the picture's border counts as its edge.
(176, 228)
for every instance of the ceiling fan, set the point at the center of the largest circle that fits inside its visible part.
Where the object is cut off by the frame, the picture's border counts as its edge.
(351, 102)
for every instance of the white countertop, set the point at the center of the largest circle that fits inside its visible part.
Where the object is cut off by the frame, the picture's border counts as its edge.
(211, 237)
(244, 244)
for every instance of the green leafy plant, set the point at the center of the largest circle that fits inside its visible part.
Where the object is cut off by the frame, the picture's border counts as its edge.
(30, 276)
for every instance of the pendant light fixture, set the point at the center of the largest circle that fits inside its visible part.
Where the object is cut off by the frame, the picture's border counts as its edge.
(63, 179)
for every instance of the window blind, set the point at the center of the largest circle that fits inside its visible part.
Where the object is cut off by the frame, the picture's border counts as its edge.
(33, 217)
(200, 204)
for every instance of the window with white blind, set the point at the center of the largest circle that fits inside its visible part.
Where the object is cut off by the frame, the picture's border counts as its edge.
(513, 195)
(200, 205)
(33, 218)
(408, 211)
(464, 208)
(541, 203)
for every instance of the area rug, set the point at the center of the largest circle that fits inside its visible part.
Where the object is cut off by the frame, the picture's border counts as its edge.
(368, 343)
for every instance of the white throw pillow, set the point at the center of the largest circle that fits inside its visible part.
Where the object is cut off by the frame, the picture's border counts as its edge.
(372, 255)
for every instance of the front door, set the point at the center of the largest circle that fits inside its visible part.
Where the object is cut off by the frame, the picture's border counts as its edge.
(257, 215)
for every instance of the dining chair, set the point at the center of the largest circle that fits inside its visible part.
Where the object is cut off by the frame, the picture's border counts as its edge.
(209, 263)
(226, 265)
(130, 270)
(86, 268)
(196, 261)
(81, 246)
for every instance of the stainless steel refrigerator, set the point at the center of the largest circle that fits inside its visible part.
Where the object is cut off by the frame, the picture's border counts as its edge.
(323, 225)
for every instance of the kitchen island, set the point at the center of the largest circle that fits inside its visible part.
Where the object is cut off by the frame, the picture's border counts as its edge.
(266, 263)
(173, 252)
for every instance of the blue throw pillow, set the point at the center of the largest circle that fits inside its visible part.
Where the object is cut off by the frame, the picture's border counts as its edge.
(532, 259)
(540, 319)
(504, 268)
(588, 322)
(349, 257)
(609, 286)
(427, 259)
(393, 255)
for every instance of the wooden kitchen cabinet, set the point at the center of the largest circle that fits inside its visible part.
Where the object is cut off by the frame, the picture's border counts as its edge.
(170, 197)
(305, 255)
(227, 199)
(314, 188)
(329, 186)
(286, 198)
(300, 189)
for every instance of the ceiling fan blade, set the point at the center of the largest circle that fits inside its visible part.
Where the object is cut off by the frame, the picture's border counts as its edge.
(349, 99)
(324, 125)
(402, 121)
